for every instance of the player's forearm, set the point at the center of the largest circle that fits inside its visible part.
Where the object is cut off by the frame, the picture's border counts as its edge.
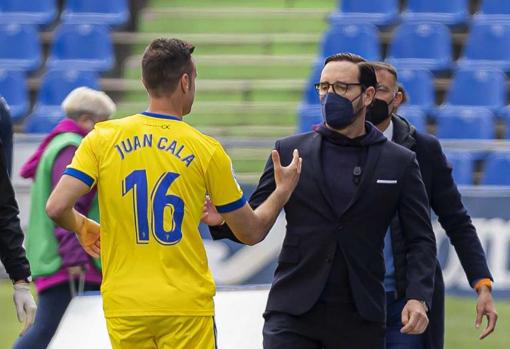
(65, 217)
(254, 226)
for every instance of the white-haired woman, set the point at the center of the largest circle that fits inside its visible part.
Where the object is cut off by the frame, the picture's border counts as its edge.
(60, 266)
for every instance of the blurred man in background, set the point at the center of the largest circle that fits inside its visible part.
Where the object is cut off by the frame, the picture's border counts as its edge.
(12, 253)
(153, 171)
(445, 200)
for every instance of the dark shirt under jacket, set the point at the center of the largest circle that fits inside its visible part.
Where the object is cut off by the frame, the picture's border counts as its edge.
(390, 183)
(12, 253)
(340, 156)
(446, 202)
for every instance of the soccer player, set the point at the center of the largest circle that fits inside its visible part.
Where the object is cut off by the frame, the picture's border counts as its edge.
(153, 171)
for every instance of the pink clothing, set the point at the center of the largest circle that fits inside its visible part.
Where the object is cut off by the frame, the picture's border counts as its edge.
(92, 276)
(71, 253)
(66, 125)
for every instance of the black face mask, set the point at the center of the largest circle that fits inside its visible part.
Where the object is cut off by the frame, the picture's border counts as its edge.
(378, 111)
(338, 111)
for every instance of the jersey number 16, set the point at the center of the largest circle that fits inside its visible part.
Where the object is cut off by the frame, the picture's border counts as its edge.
(137, 181)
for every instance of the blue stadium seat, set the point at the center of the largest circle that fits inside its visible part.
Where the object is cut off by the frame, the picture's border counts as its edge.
(82, 47)
(311, 96)
(494, 10)
(110, 12)
(380, 12)
(309, 115)
(487, 46)
(362, 39)
(485, 87)
(43, 120)
(40, 12)
(496, 171)
(13, 88)
(462, 163)
(425, 45)
(56, 85)
(419, 86)
(19, 47)
(415, 115)
(465, 123)
(449, 12)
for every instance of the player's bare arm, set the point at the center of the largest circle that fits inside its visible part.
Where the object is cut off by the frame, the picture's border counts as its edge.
(60, 208)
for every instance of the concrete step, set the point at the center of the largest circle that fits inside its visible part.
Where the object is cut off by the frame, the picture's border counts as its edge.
(154, 13)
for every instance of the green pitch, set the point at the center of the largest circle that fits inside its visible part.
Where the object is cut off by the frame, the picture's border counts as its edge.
(460, 331)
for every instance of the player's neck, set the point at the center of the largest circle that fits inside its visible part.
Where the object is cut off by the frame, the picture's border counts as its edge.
(162, 106)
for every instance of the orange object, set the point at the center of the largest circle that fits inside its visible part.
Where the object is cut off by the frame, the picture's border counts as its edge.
(483, 282)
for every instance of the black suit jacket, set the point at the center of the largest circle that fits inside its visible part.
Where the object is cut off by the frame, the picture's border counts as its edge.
(12, 253)
(315, 227)
(445, 200)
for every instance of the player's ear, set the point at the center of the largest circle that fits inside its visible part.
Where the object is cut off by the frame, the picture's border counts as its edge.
(185, 82)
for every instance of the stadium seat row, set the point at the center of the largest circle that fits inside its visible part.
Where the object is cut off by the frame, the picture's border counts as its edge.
(484, 88)
(495, 169)
(449, 12)
(424, 44)
(55, 85)
(81, 46)
(44, 12)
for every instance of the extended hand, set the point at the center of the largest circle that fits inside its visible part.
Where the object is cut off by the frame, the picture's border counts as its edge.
(414, 318)
(25, 305)
(209, 215)
(88, 235)
(485, 306)
(286, 178)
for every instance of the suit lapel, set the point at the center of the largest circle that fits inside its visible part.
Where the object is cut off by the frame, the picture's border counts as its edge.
(374, 152)
(316, 168)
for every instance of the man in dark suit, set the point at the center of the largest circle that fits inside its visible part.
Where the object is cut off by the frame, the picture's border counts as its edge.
(446, 202)
(328, 287)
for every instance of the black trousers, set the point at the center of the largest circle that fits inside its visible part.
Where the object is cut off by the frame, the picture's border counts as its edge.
(325, 326)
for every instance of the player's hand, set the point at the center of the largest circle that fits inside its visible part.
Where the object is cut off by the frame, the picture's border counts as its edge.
(286, 178)
(25, 305)
(210, 215)
(414, 318)
(485, 307)
(88, 235)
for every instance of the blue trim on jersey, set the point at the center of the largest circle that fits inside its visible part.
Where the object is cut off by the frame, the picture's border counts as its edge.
(82, 176)
(161, 116)
(232, 206)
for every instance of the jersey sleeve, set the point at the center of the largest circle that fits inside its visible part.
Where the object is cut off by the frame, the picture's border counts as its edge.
(85, 166)
(222, 187)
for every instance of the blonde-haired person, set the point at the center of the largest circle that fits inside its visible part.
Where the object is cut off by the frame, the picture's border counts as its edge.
(60, 266)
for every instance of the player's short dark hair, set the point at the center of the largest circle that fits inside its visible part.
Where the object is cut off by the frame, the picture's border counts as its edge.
(163, 64)
(366, 75)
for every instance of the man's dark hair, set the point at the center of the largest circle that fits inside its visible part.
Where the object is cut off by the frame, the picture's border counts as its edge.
(163, 64)
(385, 66)
(366, 75)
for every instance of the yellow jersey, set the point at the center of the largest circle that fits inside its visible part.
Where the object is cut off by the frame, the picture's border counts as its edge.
(152, 173)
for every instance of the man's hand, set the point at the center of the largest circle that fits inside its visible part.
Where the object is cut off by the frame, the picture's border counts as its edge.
(485, 306)
(286, 178)
(25, 305)
(88, 235)
(209, 215)
(414, 318)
